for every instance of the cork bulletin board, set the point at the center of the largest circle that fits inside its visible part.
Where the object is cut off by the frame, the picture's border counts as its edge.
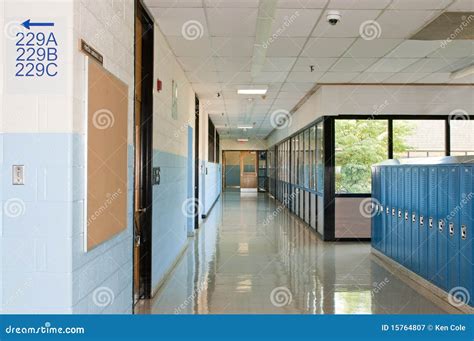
(106, 160)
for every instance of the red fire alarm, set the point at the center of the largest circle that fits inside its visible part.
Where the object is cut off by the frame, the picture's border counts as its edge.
(159, 85)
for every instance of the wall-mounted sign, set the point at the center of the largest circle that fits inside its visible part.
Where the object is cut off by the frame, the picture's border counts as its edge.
(91, 52)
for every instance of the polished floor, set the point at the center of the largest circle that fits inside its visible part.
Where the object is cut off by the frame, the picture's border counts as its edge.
(240, 262)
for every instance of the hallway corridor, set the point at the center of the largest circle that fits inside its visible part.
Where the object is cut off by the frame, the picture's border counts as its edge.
(252, 256)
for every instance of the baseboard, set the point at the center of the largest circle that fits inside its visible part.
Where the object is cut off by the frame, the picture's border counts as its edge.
(435, 294)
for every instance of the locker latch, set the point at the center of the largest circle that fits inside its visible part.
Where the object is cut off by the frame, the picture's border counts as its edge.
(413, 218)
(430, 223)
(381, 209)
(441, 225)
(400, 214)
(463, 232)
(406, 215)
(388, 210)
(451, 229)
(422, 220)
(393, 212)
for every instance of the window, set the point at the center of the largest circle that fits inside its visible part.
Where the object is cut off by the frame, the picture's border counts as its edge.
(418, 138)
(359, 145)
(218, 147)
(320, 157)
(300, 159)
(306, 159)
(462, 137)
(312, 152)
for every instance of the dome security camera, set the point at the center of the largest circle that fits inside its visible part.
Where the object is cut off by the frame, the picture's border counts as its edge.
(334, 17)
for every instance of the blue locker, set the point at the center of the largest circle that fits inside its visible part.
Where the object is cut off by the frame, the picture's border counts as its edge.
(377, 203)
(467, 219)
(394, 225)
(383, 203)
(407, 216)
(374, 208)
(432, 226)
(415, 240)
(400, 224)
(441, 279)
(454, 231)
(388, 212)
(422, 222)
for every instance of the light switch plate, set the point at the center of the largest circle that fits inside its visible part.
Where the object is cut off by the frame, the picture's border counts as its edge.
(18, 175)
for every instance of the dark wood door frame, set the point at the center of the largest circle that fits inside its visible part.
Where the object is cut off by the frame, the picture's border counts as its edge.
(196, 162)
(143, 152)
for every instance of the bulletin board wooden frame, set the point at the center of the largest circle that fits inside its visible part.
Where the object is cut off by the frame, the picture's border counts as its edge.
(106, 155)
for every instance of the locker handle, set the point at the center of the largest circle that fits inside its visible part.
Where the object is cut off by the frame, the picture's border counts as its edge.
(451, 229)
(422, 220)
(413, 218)
(430, 223)
(393, 212)
(441, 225)
(406, 215)
(388, 210)
(463, 232)
(400, 214)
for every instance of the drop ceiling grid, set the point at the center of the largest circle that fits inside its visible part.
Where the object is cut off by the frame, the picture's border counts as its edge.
(284, 70)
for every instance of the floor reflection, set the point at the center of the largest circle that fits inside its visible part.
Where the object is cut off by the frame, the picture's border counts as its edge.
(254, 257)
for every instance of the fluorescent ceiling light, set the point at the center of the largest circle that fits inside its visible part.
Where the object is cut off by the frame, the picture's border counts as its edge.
(245, 127)
(468, 70)
(243, 140)
(252, 91)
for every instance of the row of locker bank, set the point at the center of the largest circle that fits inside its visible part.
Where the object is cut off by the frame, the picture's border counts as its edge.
(423, 218)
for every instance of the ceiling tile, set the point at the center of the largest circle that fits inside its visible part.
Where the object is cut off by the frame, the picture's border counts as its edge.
(232, 22)
(302, 4)
(173, 3)
(349, 25)
(434, 78)
(455, 49)
(294, 23)
(414, 49)
(371, 48)
(404, 78)
(230, 77)
(403, 24)
(289, 86)
(338, 77)
(197, 63)
(190, 48)
(304, 77)
(391, 64)
(372, 77)
(285, 47)
(187, 22)
(233, 63)
(233, 46)
(358, 4)
(462, 6)
(270, 77)
(278, 63)
(427, 65)
(326, 47)
(419, 4)
(353, 64)
(320, 64)
(231, 3)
